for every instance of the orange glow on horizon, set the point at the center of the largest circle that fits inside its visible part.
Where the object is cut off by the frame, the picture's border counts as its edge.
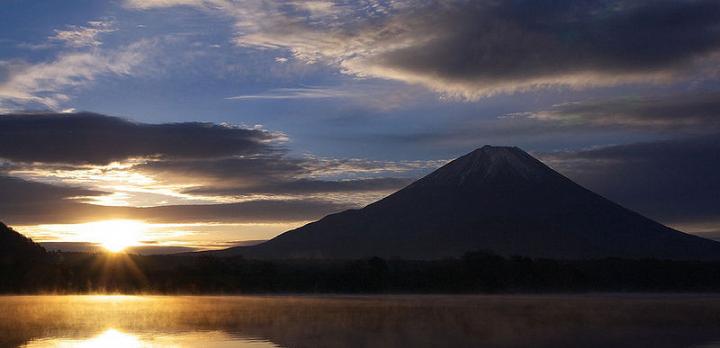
(115, 235)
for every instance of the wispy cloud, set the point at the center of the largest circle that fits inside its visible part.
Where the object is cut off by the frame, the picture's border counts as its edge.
(474, 49)
(296, 93)
(696, 112)
(146, 4)
(83, 36)
(49, 84)
(372, 94)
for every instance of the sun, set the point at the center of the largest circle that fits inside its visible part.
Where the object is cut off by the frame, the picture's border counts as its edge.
(116, 235)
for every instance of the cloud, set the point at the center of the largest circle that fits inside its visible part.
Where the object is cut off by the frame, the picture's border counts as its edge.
(48, 84)
(31, 203)
(284, 176)
(569, 124)
(87, 138)
(378, 95)
(352, 181)
(699, 112)
(257, 211)
(309, 186)
(22, 200)
(295, 93)
(143, 4)
(673, 181)
(83, 36)
(317, 8)
(471, 49)
(65, 168)
(31, 193)
(481, 48)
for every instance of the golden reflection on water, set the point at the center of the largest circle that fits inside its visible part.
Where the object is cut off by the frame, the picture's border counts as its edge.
(112, 338)
(553, 321)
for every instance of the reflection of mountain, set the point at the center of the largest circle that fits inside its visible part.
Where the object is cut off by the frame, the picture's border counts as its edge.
(494, 198)
(362, 321)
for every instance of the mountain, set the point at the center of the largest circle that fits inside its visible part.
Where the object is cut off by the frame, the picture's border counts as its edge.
(15, 245)
(21, 261)
(497, 199)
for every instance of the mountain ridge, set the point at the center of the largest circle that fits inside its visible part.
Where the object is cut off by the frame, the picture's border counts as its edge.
(14, 243)
(499, 199)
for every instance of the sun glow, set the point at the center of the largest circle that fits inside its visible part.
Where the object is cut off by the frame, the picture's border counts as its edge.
(115, 235)
(112, 338)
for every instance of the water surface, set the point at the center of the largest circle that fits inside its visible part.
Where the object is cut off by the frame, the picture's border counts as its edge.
(361, 321)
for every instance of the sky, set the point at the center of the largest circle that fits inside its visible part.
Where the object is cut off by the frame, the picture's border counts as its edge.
(203, 124)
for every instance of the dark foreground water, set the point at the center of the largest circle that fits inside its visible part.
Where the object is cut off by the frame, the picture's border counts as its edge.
(361, 321)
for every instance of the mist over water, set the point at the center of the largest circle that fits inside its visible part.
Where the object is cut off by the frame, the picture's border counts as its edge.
(114, 338)
(360, 321)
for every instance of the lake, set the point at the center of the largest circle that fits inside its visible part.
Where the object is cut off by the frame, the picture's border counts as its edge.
(361, 321)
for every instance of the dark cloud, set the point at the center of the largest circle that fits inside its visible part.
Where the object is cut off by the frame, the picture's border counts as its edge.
(674, 181)
(310, 186)
(24, 201)
(698, 112)
(571, 124)
(230, 171)
(482, 47)
(275, 175)
(215, 160)
(29, 203)
(257, 211)
(28, 192)
(518, 44)
(86, 138)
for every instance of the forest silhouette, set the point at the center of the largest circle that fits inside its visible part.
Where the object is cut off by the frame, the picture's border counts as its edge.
(26, 267)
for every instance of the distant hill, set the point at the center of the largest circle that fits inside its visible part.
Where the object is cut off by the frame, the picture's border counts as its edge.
(15, 244)
(22, 262)
(498, 199)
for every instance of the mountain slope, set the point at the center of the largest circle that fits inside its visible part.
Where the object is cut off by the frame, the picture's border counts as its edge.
(15, 245)
(495, 198)
(21, 262)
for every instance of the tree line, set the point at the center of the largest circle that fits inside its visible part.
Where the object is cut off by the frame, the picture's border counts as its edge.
(475, 272)
(25, 267)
